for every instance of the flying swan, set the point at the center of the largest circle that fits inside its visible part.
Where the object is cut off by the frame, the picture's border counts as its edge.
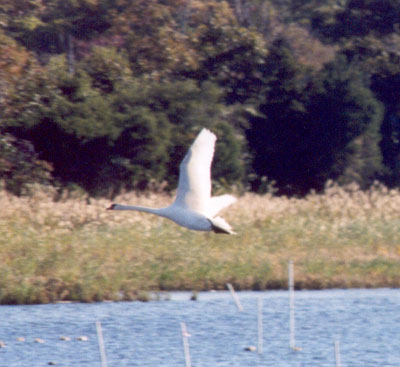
(194, 208)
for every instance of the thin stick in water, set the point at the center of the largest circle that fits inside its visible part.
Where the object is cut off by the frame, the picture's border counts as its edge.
(101, 344)
(234, 296)
(259, 326)
(337, 354)
(185, 340)
(292, 343)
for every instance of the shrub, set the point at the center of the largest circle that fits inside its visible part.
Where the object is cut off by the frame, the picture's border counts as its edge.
(20, 166)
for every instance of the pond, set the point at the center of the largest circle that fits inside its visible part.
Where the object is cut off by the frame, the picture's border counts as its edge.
(365, 323)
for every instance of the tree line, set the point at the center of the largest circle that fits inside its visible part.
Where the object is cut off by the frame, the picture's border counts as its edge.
(107, 95)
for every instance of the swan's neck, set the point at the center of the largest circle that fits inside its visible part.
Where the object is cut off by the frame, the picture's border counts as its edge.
(145, 209)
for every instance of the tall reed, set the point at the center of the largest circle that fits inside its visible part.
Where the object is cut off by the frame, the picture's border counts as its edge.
(73, 249)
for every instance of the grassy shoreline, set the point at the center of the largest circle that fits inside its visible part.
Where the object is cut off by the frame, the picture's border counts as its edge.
(75, 250)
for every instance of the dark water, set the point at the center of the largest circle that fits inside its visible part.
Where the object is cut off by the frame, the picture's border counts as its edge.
(365, 322)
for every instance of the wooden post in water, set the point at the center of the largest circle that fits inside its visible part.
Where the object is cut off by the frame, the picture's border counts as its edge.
(234, 296)
(101, 344)
(292, 343)
(337, 354)
(259, 326)
(185, 341)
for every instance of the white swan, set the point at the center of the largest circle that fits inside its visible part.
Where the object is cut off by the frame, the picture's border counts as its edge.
(194, 208)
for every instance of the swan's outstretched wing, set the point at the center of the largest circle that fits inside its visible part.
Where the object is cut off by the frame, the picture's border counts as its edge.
(220, 202)
(194, 187)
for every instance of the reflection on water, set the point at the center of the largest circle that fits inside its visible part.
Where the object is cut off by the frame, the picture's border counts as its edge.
(365, 322)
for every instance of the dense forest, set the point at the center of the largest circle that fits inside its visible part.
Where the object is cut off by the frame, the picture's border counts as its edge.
(107, 95)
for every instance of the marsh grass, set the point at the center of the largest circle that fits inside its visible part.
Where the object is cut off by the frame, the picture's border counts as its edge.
(74, 249)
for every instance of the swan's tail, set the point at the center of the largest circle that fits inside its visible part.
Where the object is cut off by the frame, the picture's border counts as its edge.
(220, 225)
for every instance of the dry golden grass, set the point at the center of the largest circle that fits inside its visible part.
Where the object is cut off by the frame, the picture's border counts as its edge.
(74, 249)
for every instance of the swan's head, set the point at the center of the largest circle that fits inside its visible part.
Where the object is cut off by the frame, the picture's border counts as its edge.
(112, 207)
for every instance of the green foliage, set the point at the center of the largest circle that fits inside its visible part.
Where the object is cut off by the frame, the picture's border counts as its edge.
(227, 53)
(276, 132)
(105, 130)
(20, 166)
(152, 35)
(180, 109)
(47, 28)
(106, 67)
(228, 165)
(307, 134)
(357, 18)
(385, 83)
(69, 122)
(133, 82)
(351, 118)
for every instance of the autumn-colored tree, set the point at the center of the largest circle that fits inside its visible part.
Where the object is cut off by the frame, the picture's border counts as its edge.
(112, 93)
(153, 34)
(53, 26)
(106, 68)
(228, 54)
(13, 61)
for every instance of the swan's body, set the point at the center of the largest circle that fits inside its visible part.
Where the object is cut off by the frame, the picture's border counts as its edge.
(194, 208)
